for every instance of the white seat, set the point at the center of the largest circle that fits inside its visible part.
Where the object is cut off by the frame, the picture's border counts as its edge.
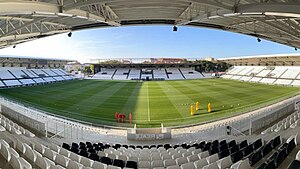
(29, 154)
(15, 131)
(177, 155)
(166, 156)
(181, 160)
(41, 162)
(145, 158)
(56, 167)
(61, 160)
(189, 165)
(243, 164)
(122, 157)
(157, 163)
(64, 152)
(54, 147)
(298, 156)
(193, 158)
(224, 162)
(74, 157)
(49, 154)
(40, 148)
(25, 164)
(173, 167)
(4, 151)
(2, 129)
(112, 167)
(213, 158)
(4, 143)
(203, 154)
(13, 152)
(169, 162)
(212, 166)
(98, 165)
(201, 163)
(15, 162)
(133, 158)
(74, 165)
(20, 146)
(111, 156)
(144, 164)
(85, 161)
(155, 157)
(186, 154)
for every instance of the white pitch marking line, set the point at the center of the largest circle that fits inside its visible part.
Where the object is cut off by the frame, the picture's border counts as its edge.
(148, 101)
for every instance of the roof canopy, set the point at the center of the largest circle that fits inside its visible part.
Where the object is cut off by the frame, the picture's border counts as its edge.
(24, 20)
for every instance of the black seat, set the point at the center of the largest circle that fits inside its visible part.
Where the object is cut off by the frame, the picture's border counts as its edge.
(152, 146)
(248, 150)
(280, 157)
(215, 143)
(257, 144)
(91, 150)
(106, 160)
(254, 158)
(223, 147)
(231, 143)
(167, 146)
(237, 156)
(294, 165)
(146, 147)
(75, 145)
(234, 149)
(276, 142)
(224, 153)
(94, 157)
(291, 145)
(131, 164)
(222, 142)
(160, 145)
(214, 151)
(262, 166)
(66, 146)
(132, 146)
(81, 143)
(243, 144)
(270, 165)
(175, 146)
(83, 153)
(266, 149)
(119, 163)
(74, 150)
(126, 146)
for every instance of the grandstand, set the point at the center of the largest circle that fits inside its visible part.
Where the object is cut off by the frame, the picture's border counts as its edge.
(17, 77)
(154, 73)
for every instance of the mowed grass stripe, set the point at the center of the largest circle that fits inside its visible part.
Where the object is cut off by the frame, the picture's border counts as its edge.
(161, 105)
(114, 103)
(130, 105)
(177, 98)
(141, 108)
(89, 104)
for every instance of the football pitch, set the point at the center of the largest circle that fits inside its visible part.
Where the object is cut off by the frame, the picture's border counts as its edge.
(151, 103)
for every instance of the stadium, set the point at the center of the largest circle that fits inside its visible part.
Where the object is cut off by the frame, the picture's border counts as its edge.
(158, 113)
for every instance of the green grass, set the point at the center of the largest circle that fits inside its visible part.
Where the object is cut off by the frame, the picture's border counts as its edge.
(151, 103)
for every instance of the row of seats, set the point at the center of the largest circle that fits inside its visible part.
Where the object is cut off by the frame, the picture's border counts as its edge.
(291, 121)
(26, 77)
(169, 73)
(278, 75)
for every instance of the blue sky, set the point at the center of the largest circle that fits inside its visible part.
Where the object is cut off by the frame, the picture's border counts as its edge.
(145, 42)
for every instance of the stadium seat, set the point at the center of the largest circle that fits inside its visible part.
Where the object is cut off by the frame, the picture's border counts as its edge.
(157, 163)
(15, 162)
(224, 153)
(193, 158)
(61, 160)
(243, 144)
(237, 156)
(173, 167)
(280, 157)
(41, 162)
(201, 163)
(74, 165)
(291, 145)
(276, 142)
(232, 143)
(294, 165)
(144, 164)
(85, 161)
(247, 150)
(255, 157)
(257, 144)
(169, 162)
(224, 162)
(119, 163)
(189, 165)
(211, 166)
(98, 165)
(212, 158)
(112, 167)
